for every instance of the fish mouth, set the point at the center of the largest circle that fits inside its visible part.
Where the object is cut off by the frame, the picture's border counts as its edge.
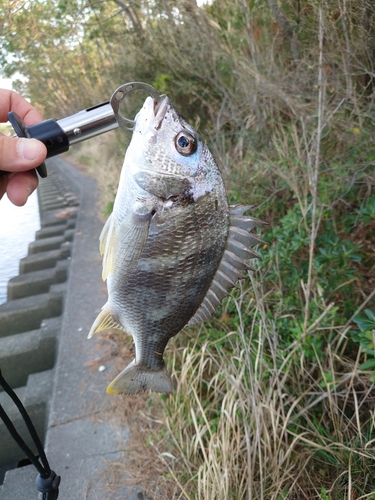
(160, 110)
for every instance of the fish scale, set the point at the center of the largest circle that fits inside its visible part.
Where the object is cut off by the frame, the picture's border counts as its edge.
(172, 248)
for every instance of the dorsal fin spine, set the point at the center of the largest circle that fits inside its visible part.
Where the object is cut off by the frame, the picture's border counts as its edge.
(245, 222)
(230, 271)
(237, 252)
(241, 250)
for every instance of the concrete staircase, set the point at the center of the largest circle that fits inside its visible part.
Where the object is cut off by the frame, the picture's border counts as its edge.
(44, 352)
(30, 321)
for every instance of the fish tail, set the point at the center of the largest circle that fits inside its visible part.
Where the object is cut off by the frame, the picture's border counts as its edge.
(138, 378)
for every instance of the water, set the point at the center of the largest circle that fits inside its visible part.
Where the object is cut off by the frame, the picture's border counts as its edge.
(17, 229)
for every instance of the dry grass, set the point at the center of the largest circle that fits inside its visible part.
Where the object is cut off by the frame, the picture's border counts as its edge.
(247, 421)
(244, 417)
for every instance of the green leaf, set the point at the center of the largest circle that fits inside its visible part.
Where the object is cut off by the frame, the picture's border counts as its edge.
(370, 314)
(364, 324)
(368, 365)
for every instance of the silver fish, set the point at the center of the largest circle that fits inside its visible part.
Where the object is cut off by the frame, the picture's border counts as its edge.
(172, 246)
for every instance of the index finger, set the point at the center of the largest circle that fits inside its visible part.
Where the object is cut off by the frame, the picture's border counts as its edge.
(11, 101)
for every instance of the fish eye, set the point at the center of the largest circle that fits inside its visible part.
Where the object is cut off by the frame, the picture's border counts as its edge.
(186, 144)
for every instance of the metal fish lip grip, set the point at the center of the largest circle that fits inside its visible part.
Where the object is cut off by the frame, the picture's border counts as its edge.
(58, 135)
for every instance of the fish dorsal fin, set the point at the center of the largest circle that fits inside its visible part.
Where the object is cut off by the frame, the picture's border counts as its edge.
(105, 321)
(233, 263)
(106, 247)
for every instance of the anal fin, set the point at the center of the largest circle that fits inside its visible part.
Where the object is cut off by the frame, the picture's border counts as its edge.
(105, 321)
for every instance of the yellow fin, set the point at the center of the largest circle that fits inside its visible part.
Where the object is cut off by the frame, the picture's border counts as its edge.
(105, 321)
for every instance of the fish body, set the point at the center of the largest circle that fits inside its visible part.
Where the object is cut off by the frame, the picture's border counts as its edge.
(172, 246)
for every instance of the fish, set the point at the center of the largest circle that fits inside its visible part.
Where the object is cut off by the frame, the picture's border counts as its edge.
(172, 247)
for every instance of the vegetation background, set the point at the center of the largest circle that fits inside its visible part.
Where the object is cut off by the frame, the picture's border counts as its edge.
(275, 395)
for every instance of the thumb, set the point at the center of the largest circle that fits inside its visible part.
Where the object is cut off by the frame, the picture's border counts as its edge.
(17, 155)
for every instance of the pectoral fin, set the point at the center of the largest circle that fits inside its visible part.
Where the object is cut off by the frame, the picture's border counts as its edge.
(125, 240)
(162, 185)
(106, 247)
(104, 234)
(131, 238)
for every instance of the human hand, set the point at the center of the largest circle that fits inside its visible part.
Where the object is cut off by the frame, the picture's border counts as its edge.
(19, 156)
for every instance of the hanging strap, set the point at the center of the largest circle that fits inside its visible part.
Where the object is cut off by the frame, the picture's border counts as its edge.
(47, 482)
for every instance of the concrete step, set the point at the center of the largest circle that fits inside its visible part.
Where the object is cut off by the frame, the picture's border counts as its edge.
(22, 315)
(45, 260)
(35, 396)
(19, 484)
(69, 234)
(53, 197)
(55, 200)
(52, 205)
(56, 217)
(46, 244)
(48, 232)
(34, 283)
(65, 230)
(29, 352)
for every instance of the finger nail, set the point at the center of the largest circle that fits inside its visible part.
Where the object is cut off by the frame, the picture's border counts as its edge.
(29, 149)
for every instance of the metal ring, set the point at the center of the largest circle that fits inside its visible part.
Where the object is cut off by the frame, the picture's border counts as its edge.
(124, 90)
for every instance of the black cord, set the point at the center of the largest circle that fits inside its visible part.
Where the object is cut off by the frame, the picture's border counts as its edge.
(47, 481)
(21, 443)
(43, 469)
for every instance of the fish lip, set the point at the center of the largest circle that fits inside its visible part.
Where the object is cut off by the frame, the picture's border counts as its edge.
(160, 110)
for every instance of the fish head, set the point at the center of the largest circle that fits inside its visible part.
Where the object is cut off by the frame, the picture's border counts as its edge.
(163, 141)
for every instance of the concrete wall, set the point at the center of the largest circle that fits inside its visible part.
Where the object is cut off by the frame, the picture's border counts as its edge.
(44, 352)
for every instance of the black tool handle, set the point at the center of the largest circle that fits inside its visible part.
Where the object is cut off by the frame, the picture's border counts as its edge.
(59, 135)
(49, 132)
